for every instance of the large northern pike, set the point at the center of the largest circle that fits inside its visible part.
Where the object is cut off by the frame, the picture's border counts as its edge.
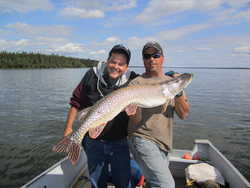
(145, 96)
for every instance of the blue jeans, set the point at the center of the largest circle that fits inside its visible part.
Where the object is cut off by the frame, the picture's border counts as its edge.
(108, 161)
(153, 161)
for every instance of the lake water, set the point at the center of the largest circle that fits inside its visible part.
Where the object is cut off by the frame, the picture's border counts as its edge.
(34, 105)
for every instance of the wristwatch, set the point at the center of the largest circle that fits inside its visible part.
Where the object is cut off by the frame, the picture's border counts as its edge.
(179, 94)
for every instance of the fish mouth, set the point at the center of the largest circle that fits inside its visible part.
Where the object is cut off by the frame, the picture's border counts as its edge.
(184, 79)
(186, 76)
(180, 82)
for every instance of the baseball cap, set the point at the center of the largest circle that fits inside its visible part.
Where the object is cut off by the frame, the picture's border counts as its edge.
(121, 49)
(152, 44)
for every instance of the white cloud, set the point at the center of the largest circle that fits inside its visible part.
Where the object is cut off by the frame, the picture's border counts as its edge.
(50, 41)
(179, 51)
(112, 39)
(95, 8)
(98, 52)
(10, 45)
(24, 5)
(245, 15)
(207, 5)
(69, 48)
(159, 8)
(231, 16)
(43, 44)
(203, 49)
(225, 51)
(30, 30)
(104, 5)
(3, 44)
(242, 50)
(181, 32)
(237, 3)
(22, 42)
(82, 13)
(137, 42)
(166, 35)
(119, 5)
(106, 43)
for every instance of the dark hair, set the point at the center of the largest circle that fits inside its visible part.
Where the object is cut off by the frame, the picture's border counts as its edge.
(121, 49)
(152, 44)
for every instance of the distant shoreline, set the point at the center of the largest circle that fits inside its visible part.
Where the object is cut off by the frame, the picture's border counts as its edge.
(239, 68)
(247, 68)
(24, 60)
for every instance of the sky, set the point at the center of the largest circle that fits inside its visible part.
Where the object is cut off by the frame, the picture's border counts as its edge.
(201, 33)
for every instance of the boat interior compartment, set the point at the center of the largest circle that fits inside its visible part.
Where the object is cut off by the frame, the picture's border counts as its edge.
(177, 167)
(204, 152)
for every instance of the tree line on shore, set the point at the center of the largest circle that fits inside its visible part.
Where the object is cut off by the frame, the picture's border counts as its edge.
(22, 60)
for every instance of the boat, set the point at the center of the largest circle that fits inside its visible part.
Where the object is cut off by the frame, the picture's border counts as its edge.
(64, 175)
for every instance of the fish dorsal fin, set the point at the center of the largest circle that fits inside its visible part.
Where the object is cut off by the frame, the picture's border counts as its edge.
(83, 113)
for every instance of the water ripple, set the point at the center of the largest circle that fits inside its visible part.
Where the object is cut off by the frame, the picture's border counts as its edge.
(35, 111)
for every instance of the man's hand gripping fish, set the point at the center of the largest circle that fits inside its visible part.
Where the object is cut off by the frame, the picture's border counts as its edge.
(145, 96)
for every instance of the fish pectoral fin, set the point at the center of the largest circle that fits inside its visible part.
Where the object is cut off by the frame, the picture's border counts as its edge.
(95, 132)
(83, 113)
(62, 145)
(66, 145)
(131, 109)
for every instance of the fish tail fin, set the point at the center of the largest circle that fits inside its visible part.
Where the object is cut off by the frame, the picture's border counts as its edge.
(68, 146)
(74, 153)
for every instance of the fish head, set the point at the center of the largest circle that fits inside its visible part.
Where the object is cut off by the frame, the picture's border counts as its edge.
(177, 84)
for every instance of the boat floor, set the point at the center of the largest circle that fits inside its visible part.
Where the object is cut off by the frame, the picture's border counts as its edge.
(83, 183)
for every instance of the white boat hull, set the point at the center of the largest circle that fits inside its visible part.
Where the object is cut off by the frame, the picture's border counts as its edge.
(64, 175)
(61, 175)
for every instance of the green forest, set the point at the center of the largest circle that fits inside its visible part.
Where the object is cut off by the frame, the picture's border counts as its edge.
(23, 60)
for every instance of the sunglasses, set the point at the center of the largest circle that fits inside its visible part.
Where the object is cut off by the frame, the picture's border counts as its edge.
(148, 56)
